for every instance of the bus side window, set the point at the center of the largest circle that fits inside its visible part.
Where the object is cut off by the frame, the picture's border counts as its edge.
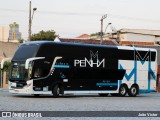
(38, 72)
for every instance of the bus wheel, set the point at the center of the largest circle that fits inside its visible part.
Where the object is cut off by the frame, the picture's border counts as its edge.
(133, 91)
(122, 90)
(103, 94)
(56, 91)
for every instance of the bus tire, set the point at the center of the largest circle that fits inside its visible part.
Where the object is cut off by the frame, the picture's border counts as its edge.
(122, 91)
(103, 94)
(133, 91)
(56, 91)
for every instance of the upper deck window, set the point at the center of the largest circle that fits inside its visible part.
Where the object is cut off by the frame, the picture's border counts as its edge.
(25, 51)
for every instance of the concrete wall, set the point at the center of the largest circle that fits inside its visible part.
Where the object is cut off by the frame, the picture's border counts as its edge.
(138, 38)
(7, 49)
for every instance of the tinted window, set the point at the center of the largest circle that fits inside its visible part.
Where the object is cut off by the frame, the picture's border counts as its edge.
(25, 51)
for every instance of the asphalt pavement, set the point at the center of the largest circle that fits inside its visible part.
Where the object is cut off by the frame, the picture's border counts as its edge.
(89, 103)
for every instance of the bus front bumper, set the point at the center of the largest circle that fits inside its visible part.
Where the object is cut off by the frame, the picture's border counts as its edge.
(27, 89)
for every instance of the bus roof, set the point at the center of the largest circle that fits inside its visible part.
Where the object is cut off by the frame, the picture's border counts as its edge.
(39, 43)
(66, 43)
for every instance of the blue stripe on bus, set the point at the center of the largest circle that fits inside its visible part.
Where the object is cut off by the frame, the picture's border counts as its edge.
(146, 91)
(61, 66)
(106, 84)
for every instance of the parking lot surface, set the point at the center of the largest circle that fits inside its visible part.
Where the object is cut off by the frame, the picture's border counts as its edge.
(143, 102)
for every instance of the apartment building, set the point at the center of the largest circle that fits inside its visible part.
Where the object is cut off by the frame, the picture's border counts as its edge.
(10, 33)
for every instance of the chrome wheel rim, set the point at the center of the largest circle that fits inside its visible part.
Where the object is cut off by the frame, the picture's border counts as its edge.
(58, 91)
(133, 90)
(123, 90)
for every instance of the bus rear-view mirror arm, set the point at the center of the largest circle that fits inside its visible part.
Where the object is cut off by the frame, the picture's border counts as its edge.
(55, 60)
(52, 67)
(31, 59)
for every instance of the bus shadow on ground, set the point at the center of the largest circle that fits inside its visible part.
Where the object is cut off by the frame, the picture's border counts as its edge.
(77, 96)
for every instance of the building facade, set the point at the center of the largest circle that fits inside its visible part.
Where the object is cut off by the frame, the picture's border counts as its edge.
(10, 33)
(4, 33)
(137, 36)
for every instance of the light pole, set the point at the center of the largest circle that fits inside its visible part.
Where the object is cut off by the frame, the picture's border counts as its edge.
(30, 20)
(107, 27)
(101, 33)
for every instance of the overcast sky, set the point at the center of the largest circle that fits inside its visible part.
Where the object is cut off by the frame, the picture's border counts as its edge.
(71, 18)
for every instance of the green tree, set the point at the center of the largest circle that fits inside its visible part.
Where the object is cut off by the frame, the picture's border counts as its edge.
(6, 66)
(49, 35)
(95, 34)
(21, 40)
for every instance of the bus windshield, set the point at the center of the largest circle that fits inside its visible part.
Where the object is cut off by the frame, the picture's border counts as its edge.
(18, 71)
